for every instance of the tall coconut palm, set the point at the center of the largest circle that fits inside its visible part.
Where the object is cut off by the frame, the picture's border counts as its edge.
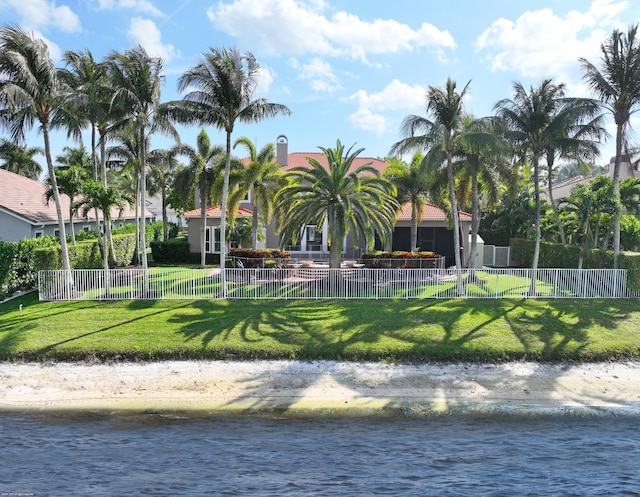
(261, 179)
(537, 121)
(617, 85)
(440, 131)
(19, 159)
(136, 78)
(413, 184)
(30, 91)
(578, 142)
(88, 101)
(127, 151)
(482, 165)
(221, 92)
(164, 166)
(89, 96)
(350, 200)
(204, 167)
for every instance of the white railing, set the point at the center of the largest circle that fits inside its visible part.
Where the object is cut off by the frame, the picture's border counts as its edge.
(324, 283)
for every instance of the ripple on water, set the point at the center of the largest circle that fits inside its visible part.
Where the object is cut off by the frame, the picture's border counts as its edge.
(105, 455)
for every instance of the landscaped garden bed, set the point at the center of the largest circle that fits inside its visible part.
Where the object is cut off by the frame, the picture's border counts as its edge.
(403, 259)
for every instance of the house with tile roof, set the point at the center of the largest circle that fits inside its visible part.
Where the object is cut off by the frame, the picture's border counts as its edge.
(24, 212)
(434, 234)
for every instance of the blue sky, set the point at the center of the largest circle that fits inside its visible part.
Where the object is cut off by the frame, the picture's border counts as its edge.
(347, 69)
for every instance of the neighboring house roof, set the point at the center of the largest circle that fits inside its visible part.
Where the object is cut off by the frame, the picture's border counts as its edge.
(299, 159)
(431, 213)
(25, 198)
(214, 212)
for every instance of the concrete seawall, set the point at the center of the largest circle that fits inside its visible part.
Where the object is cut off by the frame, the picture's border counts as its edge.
(322, 388)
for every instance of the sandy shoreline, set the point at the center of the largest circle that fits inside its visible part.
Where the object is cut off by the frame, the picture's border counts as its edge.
(321, 388)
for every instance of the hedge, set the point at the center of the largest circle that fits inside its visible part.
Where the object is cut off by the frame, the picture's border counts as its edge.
(176, 250)
(557, 255)
(21, 261)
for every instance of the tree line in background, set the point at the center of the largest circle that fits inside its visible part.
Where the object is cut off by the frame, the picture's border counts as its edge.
(494, 166)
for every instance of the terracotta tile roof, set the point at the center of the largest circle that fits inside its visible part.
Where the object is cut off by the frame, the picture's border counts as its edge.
(431, 213)
(299, 159)
(214, 212)
(24, 197)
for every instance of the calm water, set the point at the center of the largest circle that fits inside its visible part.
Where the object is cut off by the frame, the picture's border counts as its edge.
(102, 455)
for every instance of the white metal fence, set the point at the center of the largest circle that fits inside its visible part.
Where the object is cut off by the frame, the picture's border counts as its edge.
(316, 283)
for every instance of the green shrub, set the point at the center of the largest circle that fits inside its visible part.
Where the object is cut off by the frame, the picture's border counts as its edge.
(173, 250)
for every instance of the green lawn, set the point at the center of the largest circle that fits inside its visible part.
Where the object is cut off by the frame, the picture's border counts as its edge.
(385, 330)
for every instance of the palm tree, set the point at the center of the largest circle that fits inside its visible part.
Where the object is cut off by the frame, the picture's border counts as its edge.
(439, 135)
(260, 178)
(19, 159)
(71, 182)
(541, 121)
(105, 199)
(617, 86)
(164, 166)
(482, 164)
(202, 171)
(89, 96)
(136, 78)
(413, 184)
(221, 92)
(578, 142)
(357, 201)
(127, 150)
(29, 91)
(580, 204)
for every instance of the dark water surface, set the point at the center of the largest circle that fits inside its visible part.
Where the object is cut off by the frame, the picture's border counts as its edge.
(109, 455)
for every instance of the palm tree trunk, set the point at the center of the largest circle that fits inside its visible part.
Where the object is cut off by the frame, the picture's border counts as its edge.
(552, 201)
(335, 251)
(165, 219)
(108, 236)
(616, 195)
(73, 233)
(143, 189)
(475, 221)
(414, 227)
(203, 226)
(56, 198)
(536, 199)
(94, 165)
(456, 220)
(254, 223)
(223, 215)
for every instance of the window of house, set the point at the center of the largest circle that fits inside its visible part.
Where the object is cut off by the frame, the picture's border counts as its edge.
(212, 239)
(313, 239)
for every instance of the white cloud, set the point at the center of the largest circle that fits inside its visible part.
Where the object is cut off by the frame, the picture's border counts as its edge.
(265, 78)
(296, 27)
(396, 96)
(146, 33)
(320, 73)
(369, 121)
(541, 44)
(35, 14)
(142, 6)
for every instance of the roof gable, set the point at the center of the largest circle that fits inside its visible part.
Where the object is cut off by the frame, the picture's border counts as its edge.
(25, 198)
